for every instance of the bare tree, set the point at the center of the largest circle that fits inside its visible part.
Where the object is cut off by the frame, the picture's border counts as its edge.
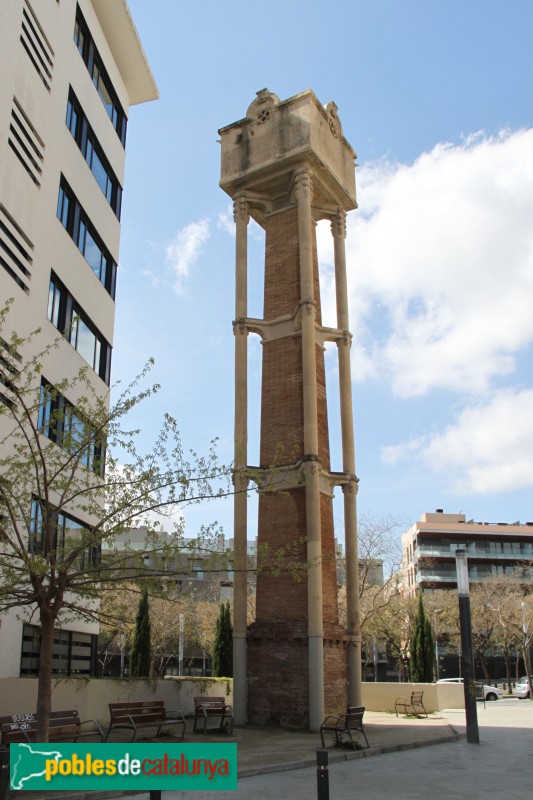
(58, 511)
(379, 551)
(511, 602)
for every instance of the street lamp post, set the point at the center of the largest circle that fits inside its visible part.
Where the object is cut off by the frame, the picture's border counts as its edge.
(467, 659)
(180, 651)
(527, 652)
(436, 643)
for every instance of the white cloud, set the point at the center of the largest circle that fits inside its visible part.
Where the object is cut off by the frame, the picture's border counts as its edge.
(225, 221)
(441, 255)
(155, 280)
(488, 449)
(184, 250)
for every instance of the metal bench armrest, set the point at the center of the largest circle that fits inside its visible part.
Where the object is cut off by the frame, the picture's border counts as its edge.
(175, 715)
(97, 726)
(335, 721)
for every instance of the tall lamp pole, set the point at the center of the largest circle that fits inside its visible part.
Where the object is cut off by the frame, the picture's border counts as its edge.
(436, 643)
(527, 651)
(467, 659)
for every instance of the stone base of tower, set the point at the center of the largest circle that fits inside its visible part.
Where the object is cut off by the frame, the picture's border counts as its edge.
(278, 676)
(335, 675)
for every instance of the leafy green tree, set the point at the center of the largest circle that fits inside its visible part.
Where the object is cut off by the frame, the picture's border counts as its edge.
(140, 656)
(65, 457)
(421, 658)
(223, 647)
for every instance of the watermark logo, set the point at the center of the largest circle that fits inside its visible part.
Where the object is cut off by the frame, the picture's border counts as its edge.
(140, 767)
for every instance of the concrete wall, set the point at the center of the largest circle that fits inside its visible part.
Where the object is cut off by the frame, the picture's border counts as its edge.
(382, 696)
(91, 696)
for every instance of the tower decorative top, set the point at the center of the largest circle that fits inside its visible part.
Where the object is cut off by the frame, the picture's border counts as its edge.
(333, 119)
(261, 152)
(261, 109)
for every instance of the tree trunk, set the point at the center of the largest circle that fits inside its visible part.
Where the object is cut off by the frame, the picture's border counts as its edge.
(508, 672)
(485, 666)
(44, 686)
(525, 655)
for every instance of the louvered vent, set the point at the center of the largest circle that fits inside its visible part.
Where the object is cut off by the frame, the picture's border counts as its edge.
(36, 45)
(10, 362)
(26, 142)
(16, 250)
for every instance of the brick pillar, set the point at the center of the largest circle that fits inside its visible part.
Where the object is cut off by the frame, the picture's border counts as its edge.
(278, 653)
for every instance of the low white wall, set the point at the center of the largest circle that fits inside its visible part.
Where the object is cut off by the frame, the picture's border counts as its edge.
(382, 696)
(90, 696)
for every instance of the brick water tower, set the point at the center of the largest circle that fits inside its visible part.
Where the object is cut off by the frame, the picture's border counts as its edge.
(288, 165)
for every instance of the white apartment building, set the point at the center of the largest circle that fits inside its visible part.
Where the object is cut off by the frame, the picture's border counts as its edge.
(70, 71)
(492, 548)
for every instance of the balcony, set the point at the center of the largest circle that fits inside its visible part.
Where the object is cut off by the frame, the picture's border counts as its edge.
(497, 551)
(476, 573)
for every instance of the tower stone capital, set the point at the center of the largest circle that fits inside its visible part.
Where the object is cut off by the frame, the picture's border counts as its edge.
(303, 185)
(241, 211)
(338, 223)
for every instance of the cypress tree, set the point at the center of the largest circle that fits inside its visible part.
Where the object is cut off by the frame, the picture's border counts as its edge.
(223, 646)
(421, 658)
(141, 647)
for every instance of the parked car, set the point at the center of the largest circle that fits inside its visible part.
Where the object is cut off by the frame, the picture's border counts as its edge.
(490, 692)
(522, 690)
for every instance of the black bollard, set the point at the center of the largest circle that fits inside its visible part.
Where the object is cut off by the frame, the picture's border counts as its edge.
(322, 774)
(4, 772)
(155, 794)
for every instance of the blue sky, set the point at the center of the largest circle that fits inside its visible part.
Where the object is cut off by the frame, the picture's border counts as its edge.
(436, 98)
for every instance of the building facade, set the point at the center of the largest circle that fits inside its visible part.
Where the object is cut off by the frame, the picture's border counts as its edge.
(70, 71)
(492, 549)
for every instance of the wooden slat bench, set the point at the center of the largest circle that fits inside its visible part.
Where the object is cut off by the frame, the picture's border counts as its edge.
(213, 707)
(64, 726)
(345, 726)
(143, 714)
(411, 705)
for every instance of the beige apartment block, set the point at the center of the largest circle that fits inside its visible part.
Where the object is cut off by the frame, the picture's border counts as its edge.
(70, 71)
(492, 548)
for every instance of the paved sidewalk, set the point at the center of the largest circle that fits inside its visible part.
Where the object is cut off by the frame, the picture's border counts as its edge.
(263, 750)
(268, 751)
(500, 766)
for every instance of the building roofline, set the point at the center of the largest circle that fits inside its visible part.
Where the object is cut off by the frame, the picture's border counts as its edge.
(121, 34)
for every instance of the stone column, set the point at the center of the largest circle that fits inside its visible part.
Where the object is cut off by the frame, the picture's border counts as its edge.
(303, 188)
(338, 229)
(241, 216)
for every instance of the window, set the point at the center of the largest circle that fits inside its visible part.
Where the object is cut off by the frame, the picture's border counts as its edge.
(73, 652)
(68, 317)
(79, 33)
(86, 140)
(196, 566)
(84, 235)
(100, 78)
(102, 86)
(58, 421)
(66, 535)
